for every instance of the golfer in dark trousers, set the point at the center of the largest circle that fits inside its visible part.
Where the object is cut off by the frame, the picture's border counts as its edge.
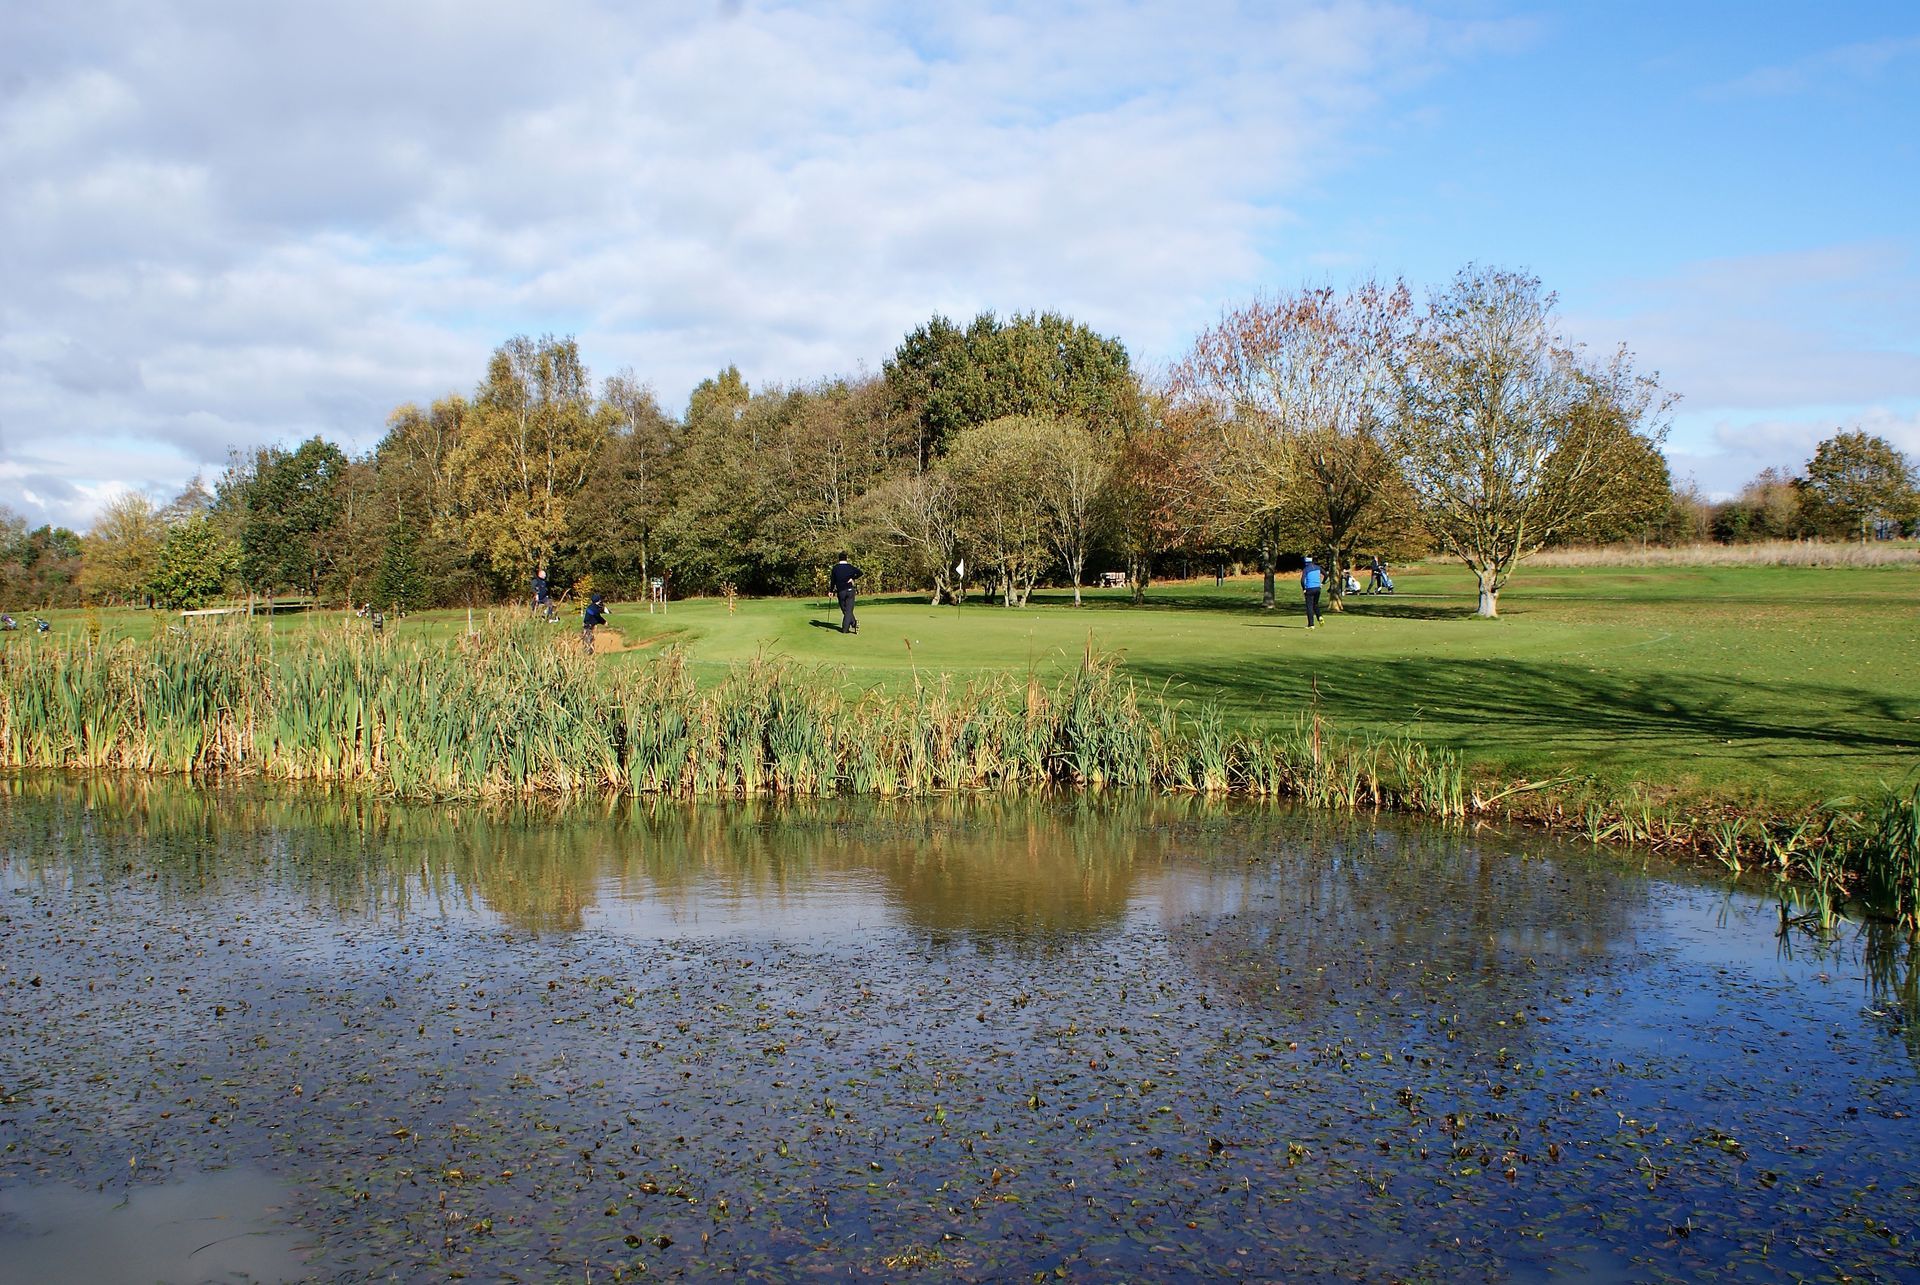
(591, 619)
(1310, 588)
(844, 574)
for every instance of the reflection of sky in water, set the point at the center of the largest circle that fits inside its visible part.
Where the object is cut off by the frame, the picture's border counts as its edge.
(224, 1226)
(832, 904)
(850, 903)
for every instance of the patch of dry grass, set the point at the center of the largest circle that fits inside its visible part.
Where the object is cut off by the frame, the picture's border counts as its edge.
(1761, 553)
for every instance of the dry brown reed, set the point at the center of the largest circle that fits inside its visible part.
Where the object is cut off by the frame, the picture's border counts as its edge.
(1761, 553)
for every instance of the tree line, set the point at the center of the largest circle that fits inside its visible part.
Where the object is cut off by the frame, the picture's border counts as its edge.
(1342, 423)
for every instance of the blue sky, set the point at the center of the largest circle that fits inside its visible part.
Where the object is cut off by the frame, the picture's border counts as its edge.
(223, 224)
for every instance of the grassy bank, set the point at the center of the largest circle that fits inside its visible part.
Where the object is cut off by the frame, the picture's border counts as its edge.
(1663, 695)
(1757, 689)
(1762, 690)
(515, 709)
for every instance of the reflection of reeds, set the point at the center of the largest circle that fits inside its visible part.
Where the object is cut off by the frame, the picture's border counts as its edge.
(1893, 980)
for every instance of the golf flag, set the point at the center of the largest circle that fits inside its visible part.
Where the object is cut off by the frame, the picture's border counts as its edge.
(960, 568)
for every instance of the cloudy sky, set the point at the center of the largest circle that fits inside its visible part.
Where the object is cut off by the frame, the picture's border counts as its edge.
(231, 223)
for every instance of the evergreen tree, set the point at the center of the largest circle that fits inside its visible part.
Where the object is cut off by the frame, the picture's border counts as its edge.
(401, 582)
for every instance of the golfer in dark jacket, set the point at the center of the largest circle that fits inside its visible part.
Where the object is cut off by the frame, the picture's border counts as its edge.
(592, 618)
(844, 574)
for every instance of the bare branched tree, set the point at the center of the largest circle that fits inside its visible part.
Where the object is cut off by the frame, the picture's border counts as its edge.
(1508, 436)
(919, 512)
(1303, 386)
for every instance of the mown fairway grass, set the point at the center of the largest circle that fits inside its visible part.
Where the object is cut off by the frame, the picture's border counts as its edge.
(1771, 685)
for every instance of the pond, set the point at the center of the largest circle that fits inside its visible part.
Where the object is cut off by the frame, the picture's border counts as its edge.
(267, 1036)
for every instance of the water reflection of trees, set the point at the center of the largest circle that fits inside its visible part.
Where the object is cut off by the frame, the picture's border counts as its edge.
(1324, 912)
(1034, 872)
(1430, 924)
(1029, 868)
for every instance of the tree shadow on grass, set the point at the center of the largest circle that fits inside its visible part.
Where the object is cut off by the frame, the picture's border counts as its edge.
(1549, 705)
(1157, 600)
(1408, 608)
(1287, 603)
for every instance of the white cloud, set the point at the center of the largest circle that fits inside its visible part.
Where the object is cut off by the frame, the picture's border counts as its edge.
(1772, 353)
(1861, 61)
(1723, 453)
(226, 224)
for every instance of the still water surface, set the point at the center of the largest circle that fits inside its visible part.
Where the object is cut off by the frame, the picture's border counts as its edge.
(254, 1036)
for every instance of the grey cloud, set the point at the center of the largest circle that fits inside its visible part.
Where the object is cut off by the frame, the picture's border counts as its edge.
(81, 368)
(1723, 454)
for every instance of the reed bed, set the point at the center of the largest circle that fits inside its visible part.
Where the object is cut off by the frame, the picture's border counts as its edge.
(1761, 553)
(506, 713)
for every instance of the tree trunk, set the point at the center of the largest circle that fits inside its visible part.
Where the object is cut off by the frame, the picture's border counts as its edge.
(1489, 595)
(1266, 578)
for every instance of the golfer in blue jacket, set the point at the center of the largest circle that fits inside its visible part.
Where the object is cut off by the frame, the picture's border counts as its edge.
(1310, 588)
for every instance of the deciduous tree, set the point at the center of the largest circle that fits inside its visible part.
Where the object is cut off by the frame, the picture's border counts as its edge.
(414, 485)
(997, 469)
(1303, 385)
(918, 511)
(194, 564)
(526, 448)
(616, 517)
(1073, 489)
(1767, 508)
(41, 566)
(290, 506)
(195, 498)
(735, 515)
(123, 549)
(1164, 491)
(1855, 478)
(943, 379)
(1506, 435)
